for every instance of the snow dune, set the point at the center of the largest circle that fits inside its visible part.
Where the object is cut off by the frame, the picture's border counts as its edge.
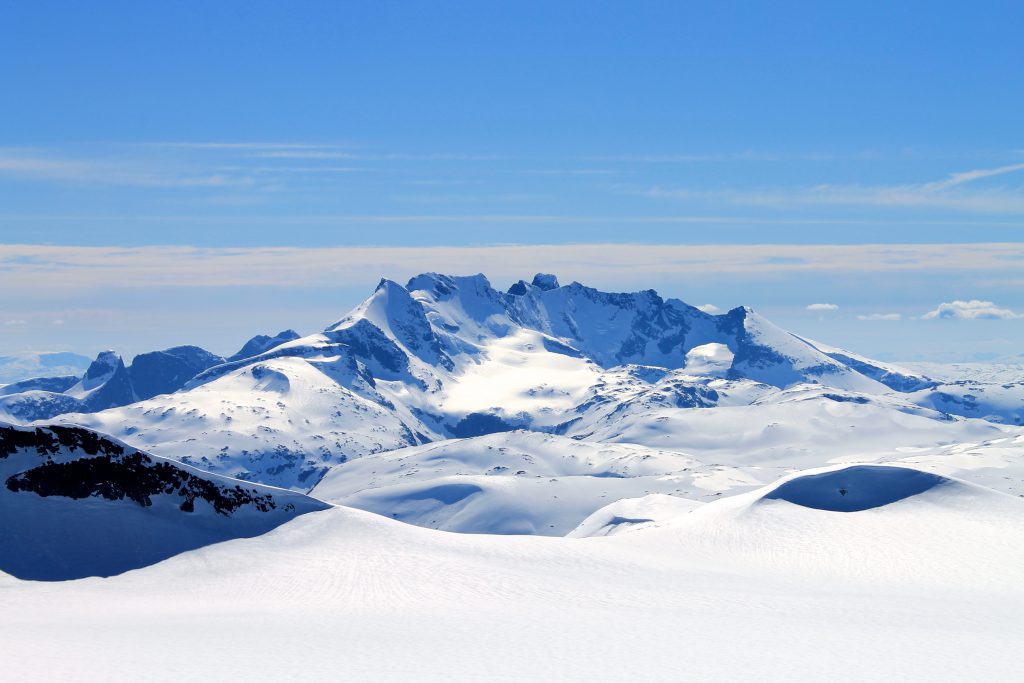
(520, 482)
(754, 587)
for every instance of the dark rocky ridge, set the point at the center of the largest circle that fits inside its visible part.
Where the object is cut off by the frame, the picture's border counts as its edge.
(115, 472)
(76, 503)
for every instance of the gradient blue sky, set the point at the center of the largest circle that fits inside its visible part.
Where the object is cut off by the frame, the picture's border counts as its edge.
(241, 125)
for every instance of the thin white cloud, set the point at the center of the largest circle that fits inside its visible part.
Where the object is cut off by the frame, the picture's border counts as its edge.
(572, 171)
(708, 308)
(244, 146)
(299, 169)
(969, 176)
(369, 156)
(993, 201)
(250, 165)
(26, 164)
(13, 322)
(973, 309)
(745, 156)
(306, 219)
(196, 164)
(687, 158)
(56, 269)
(881, 317)
(948, 193)
(822, 308)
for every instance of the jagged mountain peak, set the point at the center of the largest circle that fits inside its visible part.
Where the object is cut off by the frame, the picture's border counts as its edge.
(453, 315)
(262, 343)
(108, 383)
(442, 286)
(399, 318)
(545, 281)
(106, 364)
(166, 371)
(389, 301)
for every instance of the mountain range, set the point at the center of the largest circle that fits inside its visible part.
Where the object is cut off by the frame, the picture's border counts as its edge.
(622, 467)
(444, 400)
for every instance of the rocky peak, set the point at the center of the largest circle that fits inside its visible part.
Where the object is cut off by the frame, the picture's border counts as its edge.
(261, 343)
(545, 281)
(101, 369)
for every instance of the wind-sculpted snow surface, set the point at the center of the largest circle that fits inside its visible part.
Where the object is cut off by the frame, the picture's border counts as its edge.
(745, 588)
(75, 503)
(521, 482)
(633, 514)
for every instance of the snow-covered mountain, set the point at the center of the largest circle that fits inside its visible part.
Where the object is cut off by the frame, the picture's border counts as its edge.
(448, 357)
(75, 503)
(262, 343)
(108, 383)
(699, 478)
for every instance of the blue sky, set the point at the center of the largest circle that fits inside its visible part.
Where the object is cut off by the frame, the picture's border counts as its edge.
(243, 125)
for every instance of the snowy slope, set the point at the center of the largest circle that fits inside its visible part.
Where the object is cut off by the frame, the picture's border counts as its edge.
(924, 588)
(802, 427)
(540, 483)
(520, 482)
(633, 514)
(987, 373)
(896, 377)
(1001, 402)
(75, 503)
(766, 353)
(283, 421)
(870, 524)
(997, 464)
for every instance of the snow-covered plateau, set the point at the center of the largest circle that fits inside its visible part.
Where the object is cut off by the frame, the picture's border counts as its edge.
(551, 482)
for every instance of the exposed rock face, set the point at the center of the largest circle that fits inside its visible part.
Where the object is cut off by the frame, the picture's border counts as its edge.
(164, 372)
(113, 471)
